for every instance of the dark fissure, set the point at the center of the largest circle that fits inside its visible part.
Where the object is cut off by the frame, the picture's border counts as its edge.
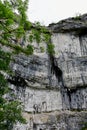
(55, 69)
(59, 75)
(17, 81)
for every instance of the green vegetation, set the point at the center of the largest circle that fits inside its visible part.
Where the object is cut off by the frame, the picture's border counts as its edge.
(42, 49)
(77, 17)
(4, 60)
(50, 48)
(13, 26)
(10, 111)
(85, 126)
(13, 30)
(19, 49)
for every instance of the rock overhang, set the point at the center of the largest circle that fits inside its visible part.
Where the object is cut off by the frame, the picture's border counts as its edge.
(74, 24)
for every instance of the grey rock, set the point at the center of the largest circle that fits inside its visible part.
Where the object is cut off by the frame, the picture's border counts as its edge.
(71, 24)
(50, 104)
(56, 121)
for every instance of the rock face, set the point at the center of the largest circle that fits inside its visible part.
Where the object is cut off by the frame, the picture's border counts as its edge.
(78, 23)
(54, 90)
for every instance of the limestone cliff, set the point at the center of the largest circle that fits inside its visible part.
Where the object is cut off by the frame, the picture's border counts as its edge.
(54, 90)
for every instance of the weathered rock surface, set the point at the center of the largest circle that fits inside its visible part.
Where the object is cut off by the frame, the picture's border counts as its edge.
(54, 121)
(47, 95)
(78, 23)
(71, 54)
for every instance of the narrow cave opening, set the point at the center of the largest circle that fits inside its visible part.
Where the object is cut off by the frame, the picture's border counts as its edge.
(59, 75)
(56, 70)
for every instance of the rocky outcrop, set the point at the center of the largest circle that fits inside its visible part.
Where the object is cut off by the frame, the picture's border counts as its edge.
(53, 90)
(76, 24)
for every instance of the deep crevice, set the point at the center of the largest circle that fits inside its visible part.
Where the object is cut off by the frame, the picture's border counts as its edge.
(17, 81)
(55, 69)
(59, 75)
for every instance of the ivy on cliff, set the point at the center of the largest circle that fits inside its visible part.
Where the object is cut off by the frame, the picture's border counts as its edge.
(13, 25)
(13, 28)
(10, 111)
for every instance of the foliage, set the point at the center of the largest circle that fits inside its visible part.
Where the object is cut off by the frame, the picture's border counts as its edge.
(85, 126)
(39, 33)
(77, 17)
(13, 28)
(10, 111)
(50, 49)
(29, 50)
(4, 60)
(12, 25)
(42, 49)
(3, 87)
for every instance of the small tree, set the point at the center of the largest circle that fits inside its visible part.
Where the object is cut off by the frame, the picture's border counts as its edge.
(10, 110)
(11, 26)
